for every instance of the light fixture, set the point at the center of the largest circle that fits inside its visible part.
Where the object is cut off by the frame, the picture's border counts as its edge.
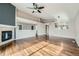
(61, 24)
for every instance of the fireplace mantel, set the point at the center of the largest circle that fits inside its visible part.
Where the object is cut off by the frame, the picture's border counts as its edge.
(10, 26)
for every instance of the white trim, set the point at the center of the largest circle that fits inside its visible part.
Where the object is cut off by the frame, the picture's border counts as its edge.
(62, 36)
(2, 25)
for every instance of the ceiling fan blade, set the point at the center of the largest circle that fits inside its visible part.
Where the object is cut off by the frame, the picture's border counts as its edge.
(39, 11)
(40, 7)
(30, 8)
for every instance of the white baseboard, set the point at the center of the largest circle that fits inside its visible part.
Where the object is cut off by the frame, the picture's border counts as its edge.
(63, 36)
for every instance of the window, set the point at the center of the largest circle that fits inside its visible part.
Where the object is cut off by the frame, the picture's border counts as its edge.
(20, 27)
(32, 27)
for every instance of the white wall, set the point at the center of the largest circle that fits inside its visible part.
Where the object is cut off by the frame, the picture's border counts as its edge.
(40, 29)
(77, 29)
(20, 34)
(26, 18)
(69, 33)
(29, 33)
(24, 33)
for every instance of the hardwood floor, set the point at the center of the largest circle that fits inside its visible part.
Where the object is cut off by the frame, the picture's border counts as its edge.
(41, 46)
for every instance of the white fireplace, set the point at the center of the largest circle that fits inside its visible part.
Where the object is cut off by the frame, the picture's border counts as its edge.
(6, 34)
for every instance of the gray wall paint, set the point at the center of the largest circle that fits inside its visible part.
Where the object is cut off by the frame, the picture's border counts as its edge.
(7, 14)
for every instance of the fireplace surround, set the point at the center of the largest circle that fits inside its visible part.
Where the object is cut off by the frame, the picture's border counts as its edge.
(6, 34)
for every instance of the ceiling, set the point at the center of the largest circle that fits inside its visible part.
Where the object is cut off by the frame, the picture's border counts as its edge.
(67, 11)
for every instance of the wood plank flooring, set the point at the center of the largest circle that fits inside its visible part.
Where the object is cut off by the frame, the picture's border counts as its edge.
(41, 46)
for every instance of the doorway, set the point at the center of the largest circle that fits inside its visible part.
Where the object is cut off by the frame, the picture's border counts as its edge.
(47, 31)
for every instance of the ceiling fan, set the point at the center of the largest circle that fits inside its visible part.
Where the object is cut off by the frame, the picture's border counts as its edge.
(36, 8)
